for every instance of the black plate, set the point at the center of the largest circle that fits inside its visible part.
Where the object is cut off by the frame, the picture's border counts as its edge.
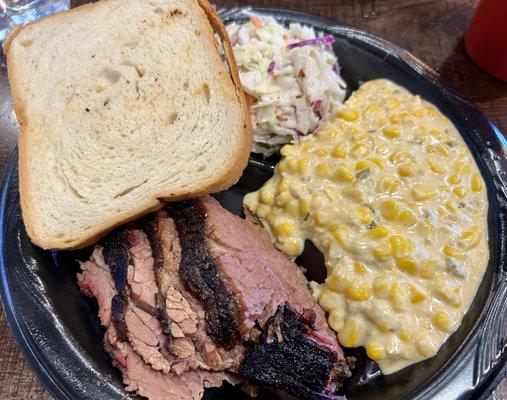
(58, 328)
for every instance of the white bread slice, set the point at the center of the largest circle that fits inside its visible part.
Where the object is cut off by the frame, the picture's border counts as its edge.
(122, 104)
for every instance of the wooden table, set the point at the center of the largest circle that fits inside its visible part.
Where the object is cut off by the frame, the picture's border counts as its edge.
(431, 29)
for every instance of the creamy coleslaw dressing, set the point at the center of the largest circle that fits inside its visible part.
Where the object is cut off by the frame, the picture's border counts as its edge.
(393, 198)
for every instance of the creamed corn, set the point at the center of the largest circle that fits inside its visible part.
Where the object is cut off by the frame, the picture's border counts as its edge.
(390, 194)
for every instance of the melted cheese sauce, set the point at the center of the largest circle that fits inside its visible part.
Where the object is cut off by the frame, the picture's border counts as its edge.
(392, 197)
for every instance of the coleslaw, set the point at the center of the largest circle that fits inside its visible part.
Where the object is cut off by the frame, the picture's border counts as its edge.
(292, 75)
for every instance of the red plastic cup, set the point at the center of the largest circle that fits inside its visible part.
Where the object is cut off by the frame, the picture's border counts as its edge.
(486, 38)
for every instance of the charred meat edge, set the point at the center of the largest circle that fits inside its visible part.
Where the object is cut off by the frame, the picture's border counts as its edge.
(201, 275)
(116, 252)
(286, 357)
(149, 225)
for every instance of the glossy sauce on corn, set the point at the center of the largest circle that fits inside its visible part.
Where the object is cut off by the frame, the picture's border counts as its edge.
(393, 198)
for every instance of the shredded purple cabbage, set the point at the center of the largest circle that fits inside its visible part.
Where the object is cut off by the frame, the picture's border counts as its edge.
(336, 69)
(296, 134)
(317, 105)
(271, 67)
(328, 39)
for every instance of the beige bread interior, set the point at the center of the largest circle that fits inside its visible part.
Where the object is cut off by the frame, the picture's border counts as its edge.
(122, 104)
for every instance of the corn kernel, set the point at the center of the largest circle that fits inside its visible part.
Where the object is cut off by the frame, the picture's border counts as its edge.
(418, 112)
(337, 283)
(443, 151)
(442, 321)
(405, 336)
(302, 165)
(360, 150)
(283, 185)
(287, 150)
(292, 246)
(375, 351)
(459, 193)
(336, 320)
(383, 252)
(399, 245)
(361, 165)
(436, 167)
(308, 147)
(329, 299)
(430, 149)
(417, 294)
(453, 180)
(292, 208)
(436, 132)
(391, 132)
(379, 232)
(343, 173)
(377, 161)
(425, 347)
(475, 183)
(339, 151)
(322, 218)
(393, 102)
(360, 268)
(351, 333)
(447, 292)
(397, 296)
(267, 196)
(304, 207)
(395, 118)
(327, 134)
(321, 153)
(282, 166)
(356, 134)
(431, 111)
(469, 239)
(407, 264)
(364, 215)
(450, 206)
(453, 252)
(399, 157)
(407, 218)
(358, 291)
(372, 109)
(284, 229)
(462, 169)
(322, 169)
(340, 235)
(389, 209)
(348, 114)
(291, 164)
(422, 193)
(262, 211)
(429, 269)
(407, 170)
(381, 287)
(390, 184)
(282, 199)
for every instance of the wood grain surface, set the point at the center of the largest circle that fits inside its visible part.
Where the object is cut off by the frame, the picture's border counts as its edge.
(431, 29)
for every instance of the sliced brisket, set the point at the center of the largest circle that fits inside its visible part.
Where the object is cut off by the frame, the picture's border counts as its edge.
(194, 294)
(128, 254)
(201, 274)
(184, 314)
(95, 280)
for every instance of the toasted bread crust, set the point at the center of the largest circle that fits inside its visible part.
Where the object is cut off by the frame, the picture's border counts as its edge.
(228, 176)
